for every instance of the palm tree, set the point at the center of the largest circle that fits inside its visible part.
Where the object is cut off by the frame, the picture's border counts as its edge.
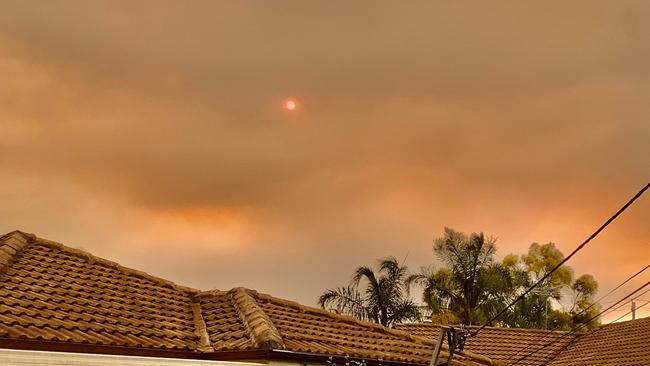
(384, 300)
(472, 286)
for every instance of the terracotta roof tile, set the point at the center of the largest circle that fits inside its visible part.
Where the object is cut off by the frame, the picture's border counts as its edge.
(307, 329)
(50, 292)
(224, 324)
(503, 344)
(625, 343)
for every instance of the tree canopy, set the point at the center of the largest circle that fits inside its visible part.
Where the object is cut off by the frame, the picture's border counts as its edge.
(471, 286)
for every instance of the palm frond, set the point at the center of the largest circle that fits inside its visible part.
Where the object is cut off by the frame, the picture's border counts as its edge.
(364, 272)
(345, 300)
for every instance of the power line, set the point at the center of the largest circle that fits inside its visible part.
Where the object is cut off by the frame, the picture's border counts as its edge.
(599, 301)
(621, 305)
(617, 287)
(596, 330)
(614, 289)
(576, 250)
(583, 324)
(625, 303)
(628, 313)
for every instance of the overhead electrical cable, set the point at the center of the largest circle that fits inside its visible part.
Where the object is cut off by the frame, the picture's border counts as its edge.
(615, 288)
(576, 250)
(583, 324)
(629, 312)
(601, 327)
(625, 303)
(599, 302)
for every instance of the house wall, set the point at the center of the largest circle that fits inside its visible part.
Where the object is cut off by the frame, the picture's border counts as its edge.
(10, 357)
(295, 363)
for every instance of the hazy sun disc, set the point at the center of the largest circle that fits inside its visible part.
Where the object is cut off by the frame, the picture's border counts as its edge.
(290, 105)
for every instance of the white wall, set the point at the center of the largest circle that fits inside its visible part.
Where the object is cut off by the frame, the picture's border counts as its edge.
(295, 363)
(10, 357)
(292, 363)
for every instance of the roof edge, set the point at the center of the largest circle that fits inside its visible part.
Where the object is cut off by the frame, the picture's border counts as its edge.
(425, 324)
(11, 244)
(263, 332)
(33, 239)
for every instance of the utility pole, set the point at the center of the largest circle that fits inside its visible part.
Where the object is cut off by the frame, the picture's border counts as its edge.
(633, 310)
(455, 339)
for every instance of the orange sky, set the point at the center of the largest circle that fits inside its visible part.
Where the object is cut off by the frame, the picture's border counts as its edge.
(152, 133)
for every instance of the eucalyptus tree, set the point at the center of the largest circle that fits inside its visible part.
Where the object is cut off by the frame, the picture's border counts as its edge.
(536, 311)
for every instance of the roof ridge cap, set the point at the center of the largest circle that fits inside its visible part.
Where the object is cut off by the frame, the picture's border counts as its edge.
(108, 263)
(212, 292)
(508, 329)
(262, 331)
(12, 244)
(201, 329)
(637, 320)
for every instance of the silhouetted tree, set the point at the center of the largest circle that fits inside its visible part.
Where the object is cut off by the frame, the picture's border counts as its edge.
(473, 286)
(381, 296)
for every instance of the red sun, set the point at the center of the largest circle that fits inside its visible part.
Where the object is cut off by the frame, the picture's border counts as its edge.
(290, 105)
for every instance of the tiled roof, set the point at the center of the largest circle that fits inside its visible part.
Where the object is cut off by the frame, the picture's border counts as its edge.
(503, 344)
(625, 343)
(50, 292)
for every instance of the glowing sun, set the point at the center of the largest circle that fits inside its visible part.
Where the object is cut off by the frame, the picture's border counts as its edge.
(290, 105)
